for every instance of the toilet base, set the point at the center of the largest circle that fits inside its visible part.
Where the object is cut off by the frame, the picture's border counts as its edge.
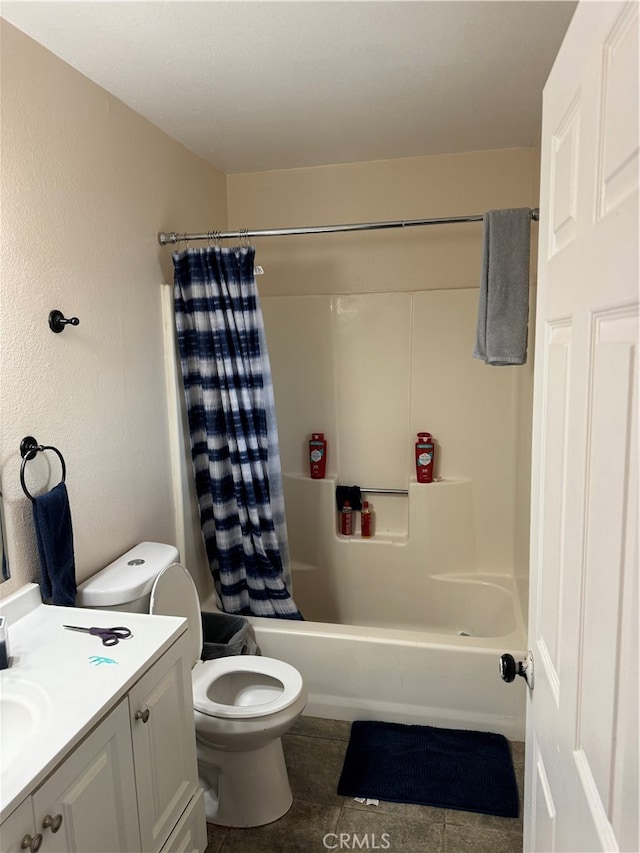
(244, 789)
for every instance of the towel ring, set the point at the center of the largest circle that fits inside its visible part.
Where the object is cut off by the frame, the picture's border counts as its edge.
(29, 447)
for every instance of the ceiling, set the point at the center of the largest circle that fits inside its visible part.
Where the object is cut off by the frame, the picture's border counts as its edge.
(251, 86)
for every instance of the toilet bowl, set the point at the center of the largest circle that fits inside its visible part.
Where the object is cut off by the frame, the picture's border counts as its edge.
(243, 704)
(241, 712)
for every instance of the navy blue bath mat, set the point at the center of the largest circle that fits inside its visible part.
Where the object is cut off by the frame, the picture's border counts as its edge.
(448, 768)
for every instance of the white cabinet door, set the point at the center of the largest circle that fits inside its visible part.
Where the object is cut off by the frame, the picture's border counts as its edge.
(582, 762)
(19, 827)
(163, 734)
(88, 805)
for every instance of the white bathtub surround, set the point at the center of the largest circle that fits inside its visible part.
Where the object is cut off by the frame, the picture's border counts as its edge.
(373, 369)
(419, 572)
(386, 614)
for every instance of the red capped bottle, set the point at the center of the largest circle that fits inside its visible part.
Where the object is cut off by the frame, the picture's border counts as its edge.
(366, 521)
(346, 520)
(317, 456)
(425, 452)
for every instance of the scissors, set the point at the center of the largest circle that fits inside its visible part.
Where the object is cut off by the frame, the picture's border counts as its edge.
(109, 636)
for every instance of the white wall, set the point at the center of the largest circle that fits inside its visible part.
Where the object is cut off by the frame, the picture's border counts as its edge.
(371, 370)
(86, 185)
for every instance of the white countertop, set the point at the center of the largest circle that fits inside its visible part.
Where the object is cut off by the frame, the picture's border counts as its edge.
(62, 671)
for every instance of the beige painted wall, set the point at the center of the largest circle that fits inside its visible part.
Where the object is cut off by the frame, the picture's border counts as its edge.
(433, 257)
(86, 184)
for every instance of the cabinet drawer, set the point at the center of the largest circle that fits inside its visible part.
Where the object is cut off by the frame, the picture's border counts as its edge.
(190, 835)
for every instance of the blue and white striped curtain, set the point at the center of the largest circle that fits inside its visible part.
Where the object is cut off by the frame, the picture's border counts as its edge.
(234, 438)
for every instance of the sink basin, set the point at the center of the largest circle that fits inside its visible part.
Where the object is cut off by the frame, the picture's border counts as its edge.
(22, 711)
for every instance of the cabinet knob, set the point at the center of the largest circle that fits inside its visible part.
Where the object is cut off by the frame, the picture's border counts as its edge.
(142, 715)
(52, 822)
(33, 844)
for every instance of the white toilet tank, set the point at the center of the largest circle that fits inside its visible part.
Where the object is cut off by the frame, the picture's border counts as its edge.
(125, 584)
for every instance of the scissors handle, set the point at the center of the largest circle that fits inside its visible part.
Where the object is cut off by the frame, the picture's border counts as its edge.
(120, 632)
(111, 636)
(108, 637)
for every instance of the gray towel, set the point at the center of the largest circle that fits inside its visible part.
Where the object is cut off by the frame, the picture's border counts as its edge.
(503, 309)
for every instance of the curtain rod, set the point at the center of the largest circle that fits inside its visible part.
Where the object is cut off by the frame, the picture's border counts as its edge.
(172, 237)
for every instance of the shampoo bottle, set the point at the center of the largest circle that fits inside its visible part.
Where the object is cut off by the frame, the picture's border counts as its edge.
(424, 457)
(366, 521)
(346, 520)
(317, 456)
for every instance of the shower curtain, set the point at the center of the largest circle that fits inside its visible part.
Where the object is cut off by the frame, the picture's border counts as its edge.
(233, 433)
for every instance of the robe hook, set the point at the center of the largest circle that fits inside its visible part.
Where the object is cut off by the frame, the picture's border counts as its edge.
(57, 321)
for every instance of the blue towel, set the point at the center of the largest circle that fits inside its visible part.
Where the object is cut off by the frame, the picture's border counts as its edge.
(503, 308)
(54, 536)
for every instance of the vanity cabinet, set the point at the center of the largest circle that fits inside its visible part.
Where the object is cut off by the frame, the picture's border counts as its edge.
(130, 785)
(88, 803)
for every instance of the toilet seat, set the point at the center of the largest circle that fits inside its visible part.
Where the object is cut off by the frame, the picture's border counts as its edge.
(287, 685)
(174, 594)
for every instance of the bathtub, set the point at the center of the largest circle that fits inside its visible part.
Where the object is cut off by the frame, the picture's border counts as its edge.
(430, 674)
(461, 604)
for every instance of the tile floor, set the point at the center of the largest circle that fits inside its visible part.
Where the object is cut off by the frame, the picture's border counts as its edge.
(314, 751)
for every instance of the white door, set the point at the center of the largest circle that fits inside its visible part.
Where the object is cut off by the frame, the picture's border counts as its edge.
(581, 776)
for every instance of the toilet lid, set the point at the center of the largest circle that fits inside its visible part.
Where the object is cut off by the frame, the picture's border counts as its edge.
(277, 685)
(174, 594)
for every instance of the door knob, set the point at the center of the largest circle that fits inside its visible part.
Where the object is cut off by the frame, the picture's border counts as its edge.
(142, 715)
(52, 822)
(509, 668)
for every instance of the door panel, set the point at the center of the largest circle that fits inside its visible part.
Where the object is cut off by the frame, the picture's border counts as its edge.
(94, 792)
(581, 788)
(162, 725)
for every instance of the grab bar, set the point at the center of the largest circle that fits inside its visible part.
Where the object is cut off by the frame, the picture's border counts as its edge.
(385, 491)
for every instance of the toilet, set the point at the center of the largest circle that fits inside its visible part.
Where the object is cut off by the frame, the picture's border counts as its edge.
(242, 704)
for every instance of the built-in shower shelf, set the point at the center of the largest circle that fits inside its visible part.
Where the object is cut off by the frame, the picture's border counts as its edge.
(376, 539)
